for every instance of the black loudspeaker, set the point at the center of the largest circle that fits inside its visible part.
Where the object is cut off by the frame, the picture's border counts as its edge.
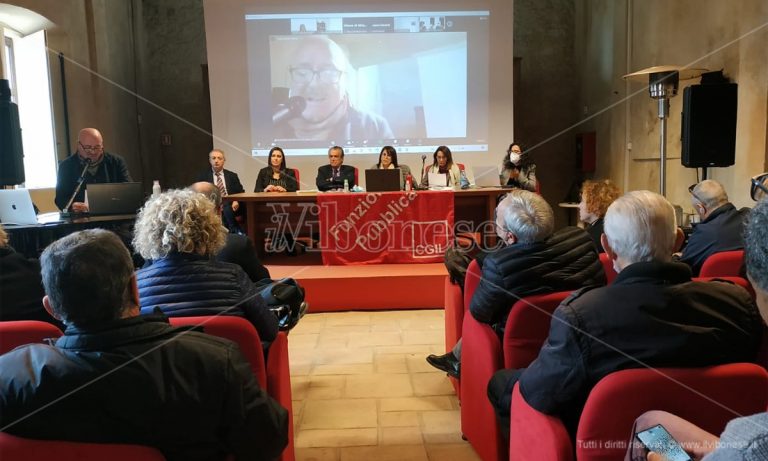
(709, 125)
(11, 150)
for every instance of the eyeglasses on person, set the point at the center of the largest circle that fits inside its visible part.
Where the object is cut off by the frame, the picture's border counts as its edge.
(306, 75)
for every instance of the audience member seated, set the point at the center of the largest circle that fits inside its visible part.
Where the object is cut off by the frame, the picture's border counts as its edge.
(518, 169)
(534, 260)
(442, 163)
(388, 160)
(238, 249)
(21, 289)
(651, 315)
(333, 175)
(117, 377)
(595, 198)
(276, 177)
(759, 187)
(228, 183)
(744, 438)
(103, 167)
(720, 228)
(177, 233)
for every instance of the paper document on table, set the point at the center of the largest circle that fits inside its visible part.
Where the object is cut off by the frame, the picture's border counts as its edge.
(437, 179)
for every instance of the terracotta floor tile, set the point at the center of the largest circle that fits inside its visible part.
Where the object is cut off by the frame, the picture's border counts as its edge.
(317, 454)
(387, 338)
(436, 383)
(417, 363)
(441, 426)
(453, 452)
(351, 369)
(390, 363)
(400, 436)
(336, 437)
(385, 453)
(348, 318)
(343, 356)
(424, 337)
(399, 419)
(303, 340)
(339, 414)
(378, 385)
(416, 404)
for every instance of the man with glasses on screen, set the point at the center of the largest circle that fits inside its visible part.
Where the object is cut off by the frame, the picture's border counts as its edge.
(102, 167)
(319, 103)
(720, 228)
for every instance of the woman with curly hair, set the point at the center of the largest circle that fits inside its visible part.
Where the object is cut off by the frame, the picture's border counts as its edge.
(178, 233)
(518, 169)
(596, 196)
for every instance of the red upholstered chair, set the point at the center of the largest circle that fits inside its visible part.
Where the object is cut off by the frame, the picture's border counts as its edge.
(725, 263)
(274, 377)
(471, 281)
(357, 178)
(454, 315)
(19, 332)
(704, 396)
(482, 354)
(298, 180)
(610, 273)
(14, 448)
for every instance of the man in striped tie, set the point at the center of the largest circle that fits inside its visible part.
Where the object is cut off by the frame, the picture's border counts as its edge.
(228, 183)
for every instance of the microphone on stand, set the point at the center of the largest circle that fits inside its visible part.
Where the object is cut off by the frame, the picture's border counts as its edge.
(66, 213)
(292, 109)
(423, 166)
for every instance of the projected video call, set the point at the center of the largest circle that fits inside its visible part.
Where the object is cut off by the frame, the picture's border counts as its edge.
(365, 80)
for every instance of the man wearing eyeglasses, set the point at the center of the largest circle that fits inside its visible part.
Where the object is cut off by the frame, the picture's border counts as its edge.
(720, 228)
(104, 167)
(319, 74)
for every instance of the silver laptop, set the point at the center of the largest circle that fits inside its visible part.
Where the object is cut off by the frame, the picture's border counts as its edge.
(115, 198)
(486, 176)
(16, 207)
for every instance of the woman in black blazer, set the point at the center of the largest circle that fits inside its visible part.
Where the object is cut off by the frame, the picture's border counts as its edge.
(276, 177)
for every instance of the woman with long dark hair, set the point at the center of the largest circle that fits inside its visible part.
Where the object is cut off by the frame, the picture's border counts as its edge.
(276, 177)
(388, 160)
(442, 163)
(518, 169)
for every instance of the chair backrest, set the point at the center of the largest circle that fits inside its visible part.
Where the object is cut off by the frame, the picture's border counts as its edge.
(357, 177)
(13, 448)
(236, 329)
(298, 180)
(610, 273)
(461, 166)
(722, 264)
(19, 332)
(528, 327)
(709, 397)
(535, 435)
(471, 281)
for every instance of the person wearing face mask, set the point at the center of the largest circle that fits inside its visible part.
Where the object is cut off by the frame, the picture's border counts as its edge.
(518, 170)
(103, 167)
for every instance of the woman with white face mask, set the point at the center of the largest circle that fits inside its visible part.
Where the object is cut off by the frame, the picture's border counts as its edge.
(518, 170)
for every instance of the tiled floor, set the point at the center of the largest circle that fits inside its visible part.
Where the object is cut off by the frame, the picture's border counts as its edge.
(363, 391)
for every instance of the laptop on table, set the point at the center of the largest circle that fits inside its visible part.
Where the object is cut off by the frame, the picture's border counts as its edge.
(16, 207)
(486, 176)
(377, 180)
(114, 198)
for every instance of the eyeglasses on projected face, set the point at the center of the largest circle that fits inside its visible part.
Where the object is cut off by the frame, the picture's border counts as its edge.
(305, 75)
(758, 189)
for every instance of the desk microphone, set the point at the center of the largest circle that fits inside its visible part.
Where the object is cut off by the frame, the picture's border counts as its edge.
(66, 213)
(423, 166)
(292, 109)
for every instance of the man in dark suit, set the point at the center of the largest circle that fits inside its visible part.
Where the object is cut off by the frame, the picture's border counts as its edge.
(333, 175)
(239, 249)
(228, 183)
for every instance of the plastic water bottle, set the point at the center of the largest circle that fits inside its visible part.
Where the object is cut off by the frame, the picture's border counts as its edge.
(346, 185)
(463, 179)
(156, 188)
(408, 183)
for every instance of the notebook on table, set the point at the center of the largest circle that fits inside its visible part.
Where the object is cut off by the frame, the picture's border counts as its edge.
(16, 207)
(377, 180)
(486, 176)
(114, 198)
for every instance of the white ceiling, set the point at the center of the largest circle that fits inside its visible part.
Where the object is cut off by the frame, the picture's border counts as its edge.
(22, 20)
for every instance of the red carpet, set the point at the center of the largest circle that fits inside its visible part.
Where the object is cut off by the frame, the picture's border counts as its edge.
(364, 287)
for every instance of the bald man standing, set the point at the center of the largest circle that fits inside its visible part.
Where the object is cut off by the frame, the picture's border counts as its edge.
(104, 168)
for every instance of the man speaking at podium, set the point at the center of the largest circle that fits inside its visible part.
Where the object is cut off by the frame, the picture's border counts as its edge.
(94, 164)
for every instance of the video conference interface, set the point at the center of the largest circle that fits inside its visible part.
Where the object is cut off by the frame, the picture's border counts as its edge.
(414, 80)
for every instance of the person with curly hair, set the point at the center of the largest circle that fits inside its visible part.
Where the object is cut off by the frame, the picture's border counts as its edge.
(178, 233)
(518, 169)
(596, 196)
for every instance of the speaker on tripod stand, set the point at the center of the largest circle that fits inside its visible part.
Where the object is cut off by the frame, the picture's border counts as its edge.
(709, 125)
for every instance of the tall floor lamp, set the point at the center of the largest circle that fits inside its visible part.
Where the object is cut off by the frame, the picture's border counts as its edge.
(662, 85)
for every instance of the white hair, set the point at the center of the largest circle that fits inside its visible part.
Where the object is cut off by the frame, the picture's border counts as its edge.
(526, 215)
(641, 226)
(710, 193)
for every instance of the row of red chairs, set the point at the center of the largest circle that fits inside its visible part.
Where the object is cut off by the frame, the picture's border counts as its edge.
(272, 375)
(526, 330)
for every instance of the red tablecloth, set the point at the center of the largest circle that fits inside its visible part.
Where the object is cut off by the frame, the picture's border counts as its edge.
(385, 227)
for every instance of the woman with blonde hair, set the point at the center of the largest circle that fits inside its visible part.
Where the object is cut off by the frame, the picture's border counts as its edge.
(178, 233)
(596, 196)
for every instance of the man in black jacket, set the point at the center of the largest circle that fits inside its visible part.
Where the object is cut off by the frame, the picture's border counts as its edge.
(533, 261)
(721, 225)
(228, 183)
(116, 377)
(333, 175)
(651, 315)
(99, 166)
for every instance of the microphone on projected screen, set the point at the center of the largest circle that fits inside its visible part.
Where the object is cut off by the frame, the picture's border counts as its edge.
(292, 109)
